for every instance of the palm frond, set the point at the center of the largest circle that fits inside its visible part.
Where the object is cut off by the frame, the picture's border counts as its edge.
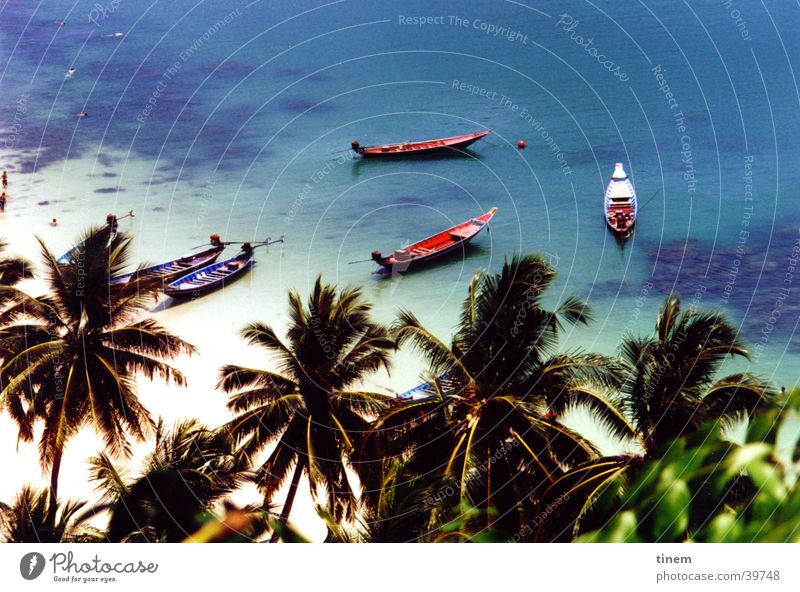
(256, 386)
(738, 393)
(111, 480)
(570, 499)
(604, 411)
(575, 311)
(264, 336)
(261, 425)
(441, 359)
(362, 402)
(149, 338)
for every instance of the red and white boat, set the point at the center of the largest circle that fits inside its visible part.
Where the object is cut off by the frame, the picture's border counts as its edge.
(434, 246)
(455, 143)
(620, 203)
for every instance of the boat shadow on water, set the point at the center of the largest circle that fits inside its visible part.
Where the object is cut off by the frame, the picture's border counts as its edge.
(168, 302)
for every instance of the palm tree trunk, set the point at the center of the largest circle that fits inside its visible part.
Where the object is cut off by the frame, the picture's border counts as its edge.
(287, 505)
(54, 472)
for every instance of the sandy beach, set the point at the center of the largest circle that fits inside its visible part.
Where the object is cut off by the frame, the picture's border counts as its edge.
(238, 122)
(76, 193)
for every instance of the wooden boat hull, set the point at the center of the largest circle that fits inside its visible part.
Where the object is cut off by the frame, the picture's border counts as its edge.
(434, 247)
(171, 270)
(211, 277)
(454, 144)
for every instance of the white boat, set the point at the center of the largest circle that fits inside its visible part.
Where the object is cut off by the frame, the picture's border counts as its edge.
(620, 203)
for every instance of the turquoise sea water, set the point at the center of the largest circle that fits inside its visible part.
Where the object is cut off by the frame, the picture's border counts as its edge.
(207, 117)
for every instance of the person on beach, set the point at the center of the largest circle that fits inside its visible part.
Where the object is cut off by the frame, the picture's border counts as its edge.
(111, 220)
(3, 201)
(5, 179)
(53, 222)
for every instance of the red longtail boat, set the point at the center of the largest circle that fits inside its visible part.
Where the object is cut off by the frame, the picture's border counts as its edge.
(434, 246)
(455, 143)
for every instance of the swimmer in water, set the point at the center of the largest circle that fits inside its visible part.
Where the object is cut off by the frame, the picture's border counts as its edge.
(53, 222)
(71, 72)
(83, 114)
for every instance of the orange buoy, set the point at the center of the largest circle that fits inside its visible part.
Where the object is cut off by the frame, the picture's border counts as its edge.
(521, 145)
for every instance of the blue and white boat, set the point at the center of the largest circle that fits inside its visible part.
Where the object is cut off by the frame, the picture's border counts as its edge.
(172, 270)
(113, 224)
(211, 277)
(428, 390)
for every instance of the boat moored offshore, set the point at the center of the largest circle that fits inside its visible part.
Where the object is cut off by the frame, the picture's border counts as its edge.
(456, 144)
(620, 203)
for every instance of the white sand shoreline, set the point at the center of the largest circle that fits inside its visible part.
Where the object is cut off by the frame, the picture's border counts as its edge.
(211, 325)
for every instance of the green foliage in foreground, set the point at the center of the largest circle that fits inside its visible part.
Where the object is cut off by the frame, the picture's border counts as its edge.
(704, 489)
(701, 488)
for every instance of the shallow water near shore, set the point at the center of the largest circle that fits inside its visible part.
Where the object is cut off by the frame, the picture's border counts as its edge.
(234, 120)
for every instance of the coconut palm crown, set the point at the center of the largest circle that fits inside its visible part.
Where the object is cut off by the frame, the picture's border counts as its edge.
(70, 358)
(307, 411)
(190, 470)
(671, 387)
(491, 427)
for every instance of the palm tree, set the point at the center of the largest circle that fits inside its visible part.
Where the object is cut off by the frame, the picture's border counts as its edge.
(490, 429)
(670, 388)
(70, 357)
(26, 520)
(305, 409)
(12, 271)
(191, 469)
(671, 384)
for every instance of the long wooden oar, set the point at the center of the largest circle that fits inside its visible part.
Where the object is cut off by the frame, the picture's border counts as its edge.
(268, 242)
(359, 261)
